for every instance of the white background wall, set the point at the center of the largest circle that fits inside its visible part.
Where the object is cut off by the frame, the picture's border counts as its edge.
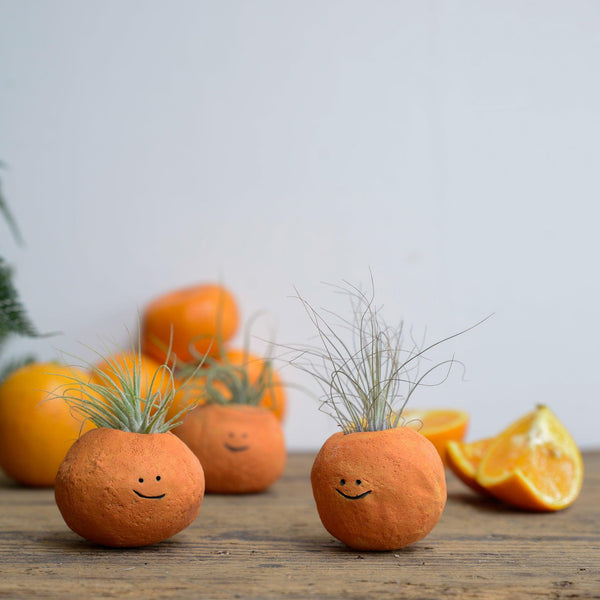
(451, 147)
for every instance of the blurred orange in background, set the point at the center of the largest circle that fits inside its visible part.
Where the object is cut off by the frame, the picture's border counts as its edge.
(152, 378)
(193, 321)
(439, 426)
(37, 428)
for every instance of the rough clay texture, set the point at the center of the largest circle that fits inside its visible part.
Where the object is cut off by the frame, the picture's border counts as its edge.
(407, 481)
(100, 484)
(241, 448)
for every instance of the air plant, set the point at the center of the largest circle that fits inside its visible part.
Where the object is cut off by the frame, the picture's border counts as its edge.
(366, 369)
(236, 431)
(114, 398)
(377, 485)
(130, 481)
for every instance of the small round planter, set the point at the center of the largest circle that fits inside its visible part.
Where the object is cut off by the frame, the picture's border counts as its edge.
(126, 489)
(240, 447)
(379, 490)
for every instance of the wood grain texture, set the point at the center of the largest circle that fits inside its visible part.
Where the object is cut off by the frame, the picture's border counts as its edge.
(273, 545)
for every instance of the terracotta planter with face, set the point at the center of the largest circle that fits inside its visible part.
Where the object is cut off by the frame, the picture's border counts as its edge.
(240, 447)
(124, 489)
(380, 490)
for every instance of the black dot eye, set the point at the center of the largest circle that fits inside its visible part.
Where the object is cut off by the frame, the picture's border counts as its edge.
(141, 480)
(158, 478)
(230, 434)
(358, 482)
(342, 482)
(244, 435)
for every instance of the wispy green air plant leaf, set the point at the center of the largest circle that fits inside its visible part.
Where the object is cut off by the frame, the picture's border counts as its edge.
(367, 371)
(226, 383)
(229, 383)
(115, 399)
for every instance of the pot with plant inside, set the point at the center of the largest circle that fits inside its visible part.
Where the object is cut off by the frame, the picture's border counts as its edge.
(129, 481)
(238, 440)
(377, 484)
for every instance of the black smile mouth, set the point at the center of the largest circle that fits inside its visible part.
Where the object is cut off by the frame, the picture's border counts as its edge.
(353, 497)
(236, 448)
(148, 497)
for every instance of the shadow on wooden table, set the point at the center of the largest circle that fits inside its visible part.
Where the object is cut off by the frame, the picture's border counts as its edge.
(69, 542)
(480, 502)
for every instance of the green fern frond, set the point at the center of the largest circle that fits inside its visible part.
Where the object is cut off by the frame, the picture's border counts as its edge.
(13, 318)
(12, 224)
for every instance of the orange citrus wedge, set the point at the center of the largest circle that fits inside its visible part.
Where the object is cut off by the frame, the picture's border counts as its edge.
(439, 426)
(534, 464)
(463, 459)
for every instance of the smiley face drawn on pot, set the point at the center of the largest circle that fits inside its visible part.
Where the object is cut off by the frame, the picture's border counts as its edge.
(147, 493)
(237, 442)
(353, 489)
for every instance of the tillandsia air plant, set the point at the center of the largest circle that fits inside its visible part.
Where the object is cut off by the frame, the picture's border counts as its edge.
(236, 431)
(129, 481)
(234, 376)
(378, 485)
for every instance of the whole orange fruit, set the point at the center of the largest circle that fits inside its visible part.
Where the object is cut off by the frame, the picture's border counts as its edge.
(200, 319)
(36, 427)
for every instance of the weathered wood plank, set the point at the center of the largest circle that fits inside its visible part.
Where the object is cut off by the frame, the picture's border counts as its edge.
(273, 546)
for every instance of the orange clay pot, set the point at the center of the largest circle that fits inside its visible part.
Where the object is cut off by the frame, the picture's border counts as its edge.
(274, 397)
(241, 447)
(124, 489)
(201, 317)
(380, 490)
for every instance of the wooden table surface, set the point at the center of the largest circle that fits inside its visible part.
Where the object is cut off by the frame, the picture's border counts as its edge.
(273, 545)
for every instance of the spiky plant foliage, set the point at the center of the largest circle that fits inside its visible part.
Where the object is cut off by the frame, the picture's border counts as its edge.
(367, 370)
(226, 383)
(223, 382)
(8, 217)
(13, 317)
(117, 401)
